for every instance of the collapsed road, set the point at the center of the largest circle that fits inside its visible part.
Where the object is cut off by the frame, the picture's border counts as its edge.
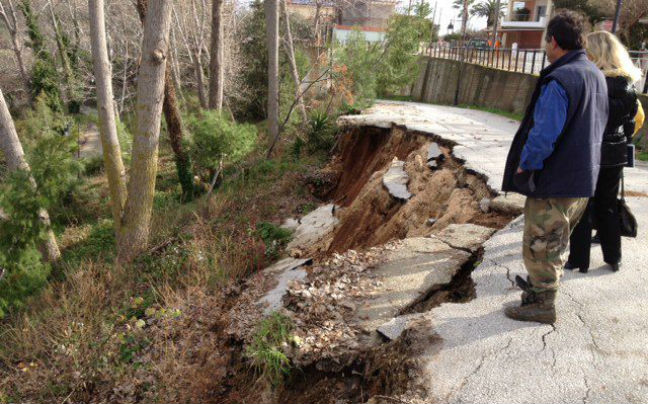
(396, 287)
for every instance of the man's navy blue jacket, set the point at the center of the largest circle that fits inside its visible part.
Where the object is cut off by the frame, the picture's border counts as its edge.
(572, 169)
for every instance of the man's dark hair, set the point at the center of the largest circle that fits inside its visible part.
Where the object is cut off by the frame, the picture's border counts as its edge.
(567, 29)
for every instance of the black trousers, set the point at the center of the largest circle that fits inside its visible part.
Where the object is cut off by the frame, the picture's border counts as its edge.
(603, 214)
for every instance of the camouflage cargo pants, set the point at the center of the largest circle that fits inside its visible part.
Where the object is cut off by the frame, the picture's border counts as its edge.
(548, 224)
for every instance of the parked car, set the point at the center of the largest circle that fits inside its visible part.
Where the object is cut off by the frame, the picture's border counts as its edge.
(478, 44)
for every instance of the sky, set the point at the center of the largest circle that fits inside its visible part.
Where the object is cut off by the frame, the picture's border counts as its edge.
(445, 14)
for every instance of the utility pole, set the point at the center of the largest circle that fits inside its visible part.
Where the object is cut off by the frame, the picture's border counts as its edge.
(497, 15)
(617, 14)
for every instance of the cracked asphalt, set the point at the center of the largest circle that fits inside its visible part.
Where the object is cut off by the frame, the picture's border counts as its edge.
(595, 353)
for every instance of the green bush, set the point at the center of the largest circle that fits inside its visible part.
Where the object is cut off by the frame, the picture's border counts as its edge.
(274, 238)
(399, 64)
(380, 69)
(321, 132)
(24, 274)
(214, 137)
(55, 172)
(361, 60)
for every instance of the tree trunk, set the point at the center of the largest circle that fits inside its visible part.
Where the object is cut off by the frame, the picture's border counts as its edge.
(464, 21)
(272, 24)
(11, 23)
(134, 232)
(126, 59)
(293, 64)
(200, 80)
(216, 68)
(15, 157)
(65, 62)
(174, 122)
(107, 125)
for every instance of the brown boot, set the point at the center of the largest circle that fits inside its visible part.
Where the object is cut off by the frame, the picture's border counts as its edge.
(536, 306)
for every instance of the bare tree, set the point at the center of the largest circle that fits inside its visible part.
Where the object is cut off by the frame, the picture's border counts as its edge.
(15, 157)
(65, 62)
(107, 126)
(173, 120)
(194, 41)
(12, 26)
(272, 26)
(290, 50)
(216, 67)
(136, 220)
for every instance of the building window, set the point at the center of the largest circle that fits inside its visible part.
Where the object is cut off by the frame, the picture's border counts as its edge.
(542, 12)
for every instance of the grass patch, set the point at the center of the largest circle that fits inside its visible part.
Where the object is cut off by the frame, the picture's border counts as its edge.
(643, 155)
(265, 351)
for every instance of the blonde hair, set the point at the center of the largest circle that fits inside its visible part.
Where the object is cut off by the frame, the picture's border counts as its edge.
(609, 55)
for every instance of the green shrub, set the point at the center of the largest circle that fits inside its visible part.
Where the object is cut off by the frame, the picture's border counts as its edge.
(214, 137)
(361, 60)
(274, 238)
(265, 350)
(24, 274)
(55, 172)
(321, 132)
(399, 65)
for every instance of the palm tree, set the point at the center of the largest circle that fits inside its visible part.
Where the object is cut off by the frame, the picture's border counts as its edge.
(486, 8)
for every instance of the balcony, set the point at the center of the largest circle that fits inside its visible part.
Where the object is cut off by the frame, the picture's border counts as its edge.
(525, 25)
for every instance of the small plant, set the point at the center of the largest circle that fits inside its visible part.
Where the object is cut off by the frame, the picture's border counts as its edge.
(321, 133)
(273, 237)
(268, 359)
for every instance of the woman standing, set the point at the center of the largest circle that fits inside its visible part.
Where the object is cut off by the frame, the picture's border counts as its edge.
(607, 52)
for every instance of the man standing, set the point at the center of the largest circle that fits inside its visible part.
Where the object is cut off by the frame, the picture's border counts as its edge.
(554, 161)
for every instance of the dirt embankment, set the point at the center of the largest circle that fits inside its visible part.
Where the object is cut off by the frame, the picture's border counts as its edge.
(441, 195)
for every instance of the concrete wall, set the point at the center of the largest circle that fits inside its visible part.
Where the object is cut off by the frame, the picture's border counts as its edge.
(482, 86)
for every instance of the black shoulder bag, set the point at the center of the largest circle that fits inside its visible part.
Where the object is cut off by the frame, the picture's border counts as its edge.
(627, 221)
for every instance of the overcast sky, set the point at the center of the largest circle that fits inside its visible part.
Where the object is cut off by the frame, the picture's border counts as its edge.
(445, 14)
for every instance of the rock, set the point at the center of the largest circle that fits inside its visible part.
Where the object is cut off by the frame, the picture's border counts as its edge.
(313, 227)
(433, 164)
(511, 204)
(296, 253)
(290, 224)
(395, 327)
(395, 180)
(467, 237)
(484, 205)
(286, 270)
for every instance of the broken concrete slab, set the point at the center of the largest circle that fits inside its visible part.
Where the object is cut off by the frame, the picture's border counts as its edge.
(395, 180)
(290, 224)
(411, 269)
(434, 151)
(393, 328)
(314, 227)
(467, 237)
(511, 204)
(286, 271)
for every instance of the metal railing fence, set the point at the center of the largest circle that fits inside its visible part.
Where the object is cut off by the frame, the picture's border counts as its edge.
(530, 61)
